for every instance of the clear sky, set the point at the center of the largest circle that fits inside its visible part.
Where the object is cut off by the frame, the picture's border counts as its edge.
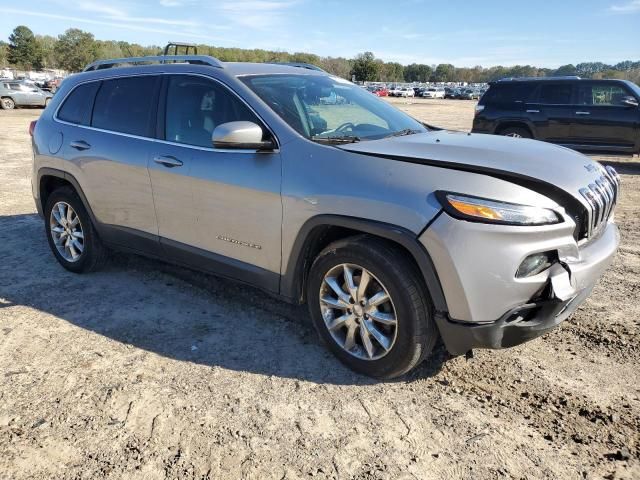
(545, 33)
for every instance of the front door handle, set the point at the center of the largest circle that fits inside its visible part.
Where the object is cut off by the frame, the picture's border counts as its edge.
(168, 161)
(533, 111)
(80, 145)
(583, 113)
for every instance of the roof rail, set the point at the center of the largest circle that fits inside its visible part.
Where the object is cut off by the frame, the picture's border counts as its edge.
(308, 66)
(125, 62)
(562, 77)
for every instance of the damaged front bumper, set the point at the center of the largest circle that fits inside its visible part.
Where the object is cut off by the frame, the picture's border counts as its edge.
(477, 270)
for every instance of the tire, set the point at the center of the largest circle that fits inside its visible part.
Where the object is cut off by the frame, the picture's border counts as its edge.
(92, 254)
(516, 132)
(7, 103)
(390, 271)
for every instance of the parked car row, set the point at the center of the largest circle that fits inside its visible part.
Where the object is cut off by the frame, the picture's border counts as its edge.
(428, 91)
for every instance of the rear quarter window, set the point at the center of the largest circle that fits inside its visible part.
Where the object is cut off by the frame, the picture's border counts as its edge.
(78, 105)
(126, 105)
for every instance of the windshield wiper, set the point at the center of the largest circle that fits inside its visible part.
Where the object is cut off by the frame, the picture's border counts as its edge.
(402, 133)
(336, 139)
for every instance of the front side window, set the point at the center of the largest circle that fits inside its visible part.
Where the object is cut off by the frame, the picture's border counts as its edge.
(77, 107)
(126, 105)
(324, 108)
(607, 94)
(555, 94)
(196, 106)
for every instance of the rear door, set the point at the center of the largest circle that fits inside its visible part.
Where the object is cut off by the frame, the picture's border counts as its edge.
(33, 95)
(602, 120)
(107, 142)
(218, 208)
(552, 111)
(18, 94)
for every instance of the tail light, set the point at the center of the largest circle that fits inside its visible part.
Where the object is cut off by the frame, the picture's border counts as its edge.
(479, 108)
(32, 127)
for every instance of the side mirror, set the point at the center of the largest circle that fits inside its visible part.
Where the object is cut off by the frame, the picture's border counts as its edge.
(240, 136)
(630, 101)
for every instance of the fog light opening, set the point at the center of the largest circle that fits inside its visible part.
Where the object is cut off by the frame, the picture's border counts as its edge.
(536, 263)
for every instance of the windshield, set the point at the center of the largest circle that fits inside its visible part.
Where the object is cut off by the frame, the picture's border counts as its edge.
(634, 87)
(330, 109)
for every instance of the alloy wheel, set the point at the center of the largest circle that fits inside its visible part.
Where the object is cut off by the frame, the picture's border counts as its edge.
(66, 231)
(358, 311)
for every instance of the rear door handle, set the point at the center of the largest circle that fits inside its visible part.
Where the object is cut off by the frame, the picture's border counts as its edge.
(80, 145)
(583, 113)
(168, 161)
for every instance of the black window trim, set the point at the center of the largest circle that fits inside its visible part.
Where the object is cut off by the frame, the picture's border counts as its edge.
(162, 99)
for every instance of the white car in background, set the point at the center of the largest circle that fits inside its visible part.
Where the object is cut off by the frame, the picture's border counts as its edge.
(434, 92)
(394, 91)
(405, 92)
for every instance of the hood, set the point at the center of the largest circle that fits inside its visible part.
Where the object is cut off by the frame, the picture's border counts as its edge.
(549, 169)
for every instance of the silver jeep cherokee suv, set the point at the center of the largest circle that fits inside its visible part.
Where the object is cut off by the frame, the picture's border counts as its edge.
(394, 233)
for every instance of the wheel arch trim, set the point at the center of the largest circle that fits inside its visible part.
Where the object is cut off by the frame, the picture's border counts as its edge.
(54, 172)
(516, 122)
(293, 280)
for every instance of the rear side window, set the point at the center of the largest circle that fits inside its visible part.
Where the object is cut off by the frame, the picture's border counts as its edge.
(77, 107)
(126, 105)
(555, 93)
(508, 93)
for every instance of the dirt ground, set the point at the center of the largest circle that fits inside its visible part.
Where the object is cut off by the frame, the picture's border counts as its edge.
(148, 371)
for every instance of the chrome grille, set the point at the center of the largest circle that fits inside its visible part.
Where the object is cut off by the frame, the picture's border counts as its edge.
(602, 196)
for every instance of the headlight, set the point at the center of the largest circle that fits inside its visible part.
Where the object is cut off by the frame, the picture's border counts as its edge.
(476, 209)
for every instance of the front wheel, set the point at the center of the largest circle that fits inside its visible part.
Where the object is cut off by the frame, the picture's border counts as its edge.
(7, 103)
(369, 305)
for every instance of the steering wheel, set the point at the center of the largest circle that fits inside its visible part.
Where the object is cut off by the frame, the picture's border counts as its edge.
(344, 127)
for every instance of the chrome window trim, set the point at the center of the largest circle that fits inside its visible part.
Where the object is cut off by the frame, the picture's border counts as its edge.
(157, 140)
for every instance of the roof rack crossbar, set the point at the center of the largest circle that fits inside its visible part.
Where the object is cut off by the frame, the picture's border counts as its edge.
(116, 62)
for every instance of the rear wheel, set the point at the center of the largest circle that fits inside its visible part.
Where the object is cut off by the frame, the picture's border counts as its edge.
(70, 233)
(369, 306)
(7, 103)
(516, 132)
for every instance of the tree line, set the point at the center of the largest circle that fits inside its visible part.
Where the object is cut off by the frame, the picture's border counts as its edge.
(75, 48)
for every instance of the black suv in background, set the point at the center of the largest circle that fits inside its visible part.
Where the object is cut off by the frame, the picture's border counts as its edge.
(588, 115)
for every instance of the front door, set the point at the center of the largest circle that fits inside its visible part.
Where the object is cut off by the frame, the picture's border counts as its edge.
(221, 206)
(602, 120)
